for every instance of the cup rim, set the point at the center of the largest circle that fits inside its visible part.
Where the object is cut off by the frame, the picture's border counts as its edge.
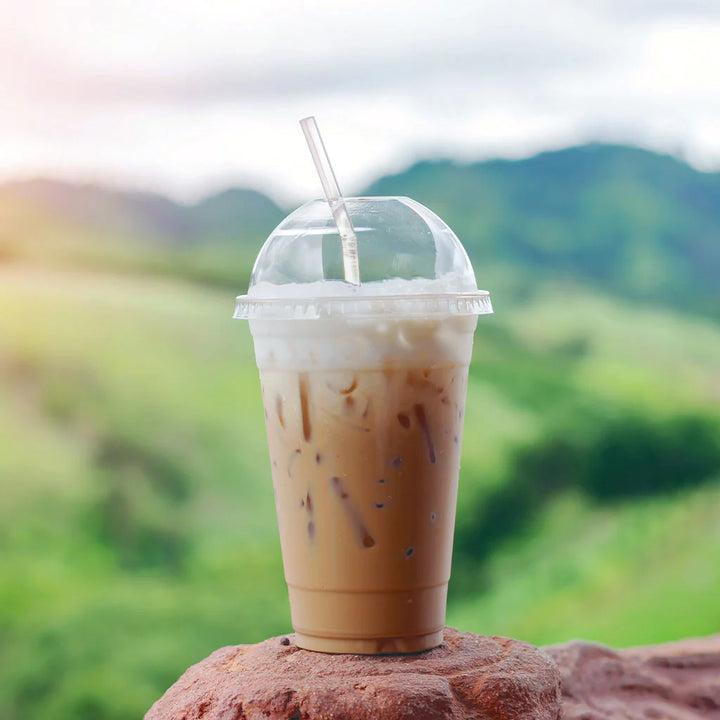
(430, 305)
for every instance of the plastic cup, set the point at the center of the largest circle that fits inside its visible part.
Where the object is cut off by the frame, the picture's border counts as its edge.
(364, 392)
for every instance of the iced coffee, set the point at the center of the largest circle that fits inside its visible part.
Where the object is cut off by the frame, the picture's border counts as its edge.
(364, 395)
(365, 459)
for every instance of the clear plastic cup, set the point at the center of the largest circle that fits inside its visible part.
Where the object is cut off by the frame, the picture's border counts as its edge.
(364, 391)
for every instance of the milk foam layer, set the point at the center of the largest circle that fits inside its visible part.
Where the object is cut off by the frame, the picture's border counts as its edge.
(362, 344)
(449, 284)
(337, 341)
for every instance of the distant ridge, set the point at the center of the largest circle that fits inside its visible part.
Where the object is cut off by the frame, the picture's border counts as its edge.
(232, 213)
(636, 223)
(92, 205)
(629, 221)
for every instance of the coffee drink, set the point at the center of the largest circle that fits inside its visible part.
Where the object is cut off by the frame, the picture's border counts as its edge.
(365, 463)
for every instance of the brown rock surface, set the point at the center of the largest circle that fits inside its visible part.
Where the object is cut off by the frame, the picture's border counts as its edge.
(467, 677)
(676, 681)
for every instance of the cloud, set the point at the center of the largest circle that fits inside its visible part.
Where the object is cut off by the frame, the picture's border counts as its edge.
(654, 10)
(192, 95)
(366, 48)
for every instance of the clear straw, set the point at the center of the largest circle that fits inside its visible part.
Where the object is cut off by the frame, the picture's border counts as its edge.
(348, 238)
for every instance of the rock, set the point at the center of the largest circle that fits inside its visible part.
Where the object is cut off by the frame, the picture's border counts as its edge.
(676, 681)
(468, 676)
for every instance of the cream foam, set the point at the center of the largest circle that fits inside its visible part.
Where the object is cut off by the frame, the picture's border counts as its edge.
(449, 284)
(397, 322)
(350, 343)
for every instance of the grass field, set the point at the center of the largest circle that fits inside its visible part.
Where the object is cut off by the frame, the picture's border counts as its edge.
(641, 573)
(137, 528)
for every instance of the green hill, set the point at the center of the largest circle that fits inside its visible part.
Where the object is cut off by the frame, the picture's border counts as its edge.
(60, 224)
(631, 222)
(231, 215)
(137, 525)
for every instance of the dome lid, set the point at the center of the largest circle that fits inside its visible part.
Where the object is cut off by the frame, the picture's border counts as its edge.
(410, 261)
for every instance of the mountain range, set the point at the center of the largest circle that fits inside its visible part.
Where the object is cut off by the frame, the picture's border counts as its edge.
(628, 221)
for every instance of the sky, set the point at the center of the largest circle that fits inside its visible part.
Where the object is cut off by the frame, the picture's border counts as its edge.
(188, 97)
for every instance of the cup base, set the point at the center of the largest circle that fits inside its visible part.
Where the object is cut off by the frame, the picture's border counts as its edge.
(369, 646)
(368, 622)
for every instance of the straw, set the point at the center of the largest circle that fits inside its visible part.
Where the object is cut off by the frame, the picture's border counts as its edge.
(348, 238)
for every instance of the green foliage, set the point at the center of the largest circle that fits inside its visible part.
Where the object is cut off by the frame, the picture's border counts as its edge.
(636, 457)
(140, 510)
(634, 573)
(627, 458)
(137, 522)
(137, 526)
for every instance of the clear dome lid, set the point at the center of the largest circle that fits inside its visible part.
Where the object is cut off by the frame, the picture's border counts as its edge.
(410, 261)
